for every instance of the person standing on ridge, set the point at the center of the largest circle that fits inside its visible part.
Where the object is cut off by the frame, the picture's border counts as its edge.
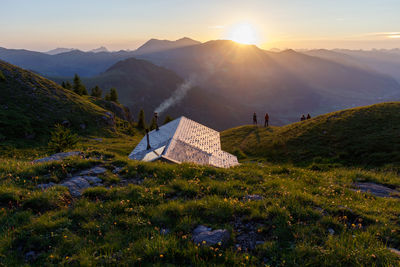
(303, 118)
(254, 119)
(266, 123)
(308, 116)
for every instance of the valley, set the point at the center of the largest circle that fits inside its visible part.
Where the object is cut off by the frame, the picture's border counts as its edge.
(229, 81)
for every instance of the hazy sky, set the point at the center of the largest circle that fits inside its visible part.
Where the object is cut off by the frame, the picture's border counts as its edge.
(125, 24)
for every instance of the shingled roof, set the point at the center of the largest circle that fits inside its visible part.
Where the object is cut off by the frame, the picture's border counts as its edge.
(184, 140)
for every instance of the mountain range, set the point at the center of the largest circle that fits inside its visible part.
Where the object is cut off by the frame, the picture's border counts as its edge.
(228, 81)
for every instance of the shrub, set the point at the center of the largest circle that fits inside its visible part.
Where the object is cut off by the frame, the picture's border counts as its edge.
(78, 87)
(62, 138)
(153, 124)
(113, 95)
(96, 91)
(142, 121)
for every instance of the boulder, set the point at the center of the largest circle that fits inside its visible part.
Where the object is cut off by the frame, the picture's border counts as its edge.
(377, 189)
(117, 170)
(201, 228)
(93, 180)
(204, 236)
(94, 171)
(395, 251)
(253, 197)
(76, 184)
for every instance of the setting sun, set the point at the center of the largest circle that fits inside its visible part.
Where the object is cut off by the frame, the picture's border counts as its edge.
(244, 33)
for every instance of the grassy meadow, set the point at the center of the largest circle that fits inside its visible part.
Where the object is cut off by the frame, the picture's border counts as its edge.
(145, 215)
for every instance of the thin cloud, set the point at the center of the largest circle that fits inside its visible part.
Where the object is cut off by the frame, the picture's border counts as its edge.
(217, 27)
(385, 34)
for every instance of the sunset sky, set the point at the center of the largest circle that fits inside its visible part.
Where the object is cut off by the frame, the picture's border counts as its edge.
(125, 24)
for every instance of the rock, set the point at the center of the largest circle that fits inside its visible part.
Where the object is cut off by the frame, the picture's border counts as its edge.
(66, 123)
(201, 228)
(58, 156)
(83, 126)
(76, 184)
(93, 180)
(46, 186)
(331, 231)
(377, 189)
(164, 231)
(253, 197)
(395, 251)
(98, 139)
(117, 170)
(94, 171)
(202, 235)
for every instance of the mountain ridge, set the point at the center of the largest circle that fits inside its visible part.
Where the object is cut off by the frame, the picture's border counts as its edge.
(156, 45)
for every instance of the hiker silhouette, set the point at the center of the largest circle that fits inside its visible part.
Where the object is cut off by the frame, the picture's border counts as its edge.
(255, 118)
(266, 123)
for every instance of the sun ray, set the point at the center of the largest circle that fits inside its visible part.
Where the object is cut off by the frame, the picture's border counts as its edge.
(244, 33)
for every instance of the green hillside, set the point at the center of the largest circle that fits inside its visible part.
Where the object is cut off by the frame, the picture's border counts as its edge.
(360, 136)
(30, 105)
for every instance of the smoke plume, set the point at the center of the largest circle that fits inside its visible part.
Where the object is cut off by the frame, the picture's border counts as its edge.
(177, 95)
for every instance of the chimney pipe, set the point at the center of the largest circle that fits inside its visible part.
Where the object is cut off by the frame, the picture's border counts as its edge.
(156, 118)
(148, 139)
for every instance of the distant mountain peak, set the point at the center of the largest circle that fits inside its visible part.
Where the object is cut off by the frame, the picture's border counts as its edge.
(60, 50)
(156, 45)
(187, 39)
(100, 49)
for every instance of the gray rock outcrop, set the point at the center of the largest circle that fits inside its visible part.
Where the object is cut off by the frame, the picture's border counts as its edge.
(58, 156)
(204, 236)
(76, 184)
(377, 189)
(94, 171)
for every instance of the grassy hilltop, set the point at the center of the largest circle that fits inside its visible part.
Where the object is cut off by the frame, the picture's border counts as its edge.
(368, 136)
